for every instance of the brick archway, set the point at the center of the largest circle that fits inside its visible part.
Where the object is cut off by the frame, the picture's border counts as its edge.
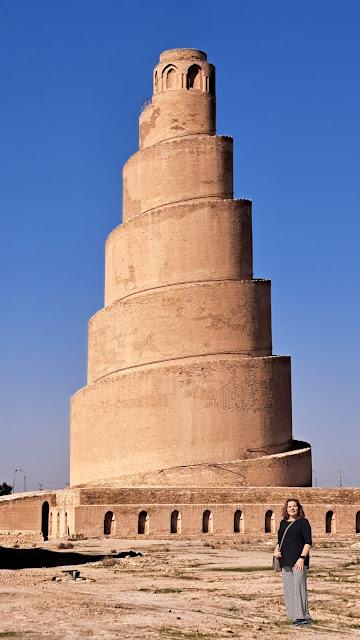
(45, 520)
(109, 523)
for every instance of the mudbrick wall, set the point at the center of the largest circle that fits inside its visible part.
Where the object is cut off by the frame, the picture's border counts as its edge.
(162, 511)
(23, 512)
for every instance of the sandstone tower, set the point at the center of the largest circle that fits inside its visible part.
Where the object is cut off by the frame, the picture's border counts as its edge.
(182, 382)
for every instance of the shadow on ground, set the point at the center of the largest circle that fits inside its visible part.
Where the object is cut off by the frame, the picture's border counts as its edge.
(40, 558)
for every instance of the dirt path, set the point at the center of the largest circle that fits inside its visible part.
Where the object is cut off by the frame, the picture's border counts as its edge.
(177, 590)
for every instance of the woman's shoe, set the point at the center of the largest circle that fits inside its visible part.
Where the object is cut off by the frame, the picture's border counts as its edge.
(297, 622)
(305, 623)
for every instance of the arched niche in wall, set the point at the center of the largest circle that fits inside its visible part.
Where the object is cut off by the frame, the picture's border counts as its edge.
(45, 520)
(193, 77)
(357, 522)
(109, 523)
(156, 82)
(238, 521)
(207, 522)
(143, 523)
(269, 522)
(330, 522)
(175, 522)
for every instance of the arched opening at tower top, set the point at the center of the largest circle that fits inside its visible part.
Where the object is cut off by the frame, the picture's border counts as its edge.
(269, 522)
(109, 523)
(193, 77)
(357, 522)
(45, 520)
(170, 78)
(212, 82)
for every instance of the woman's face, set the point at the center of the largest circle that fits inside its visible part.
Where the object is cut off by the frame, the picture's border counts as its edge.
(292, 509)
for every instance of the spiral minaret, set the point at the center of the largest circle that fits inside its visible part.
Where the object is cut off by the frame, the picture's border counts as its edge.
(180, 366)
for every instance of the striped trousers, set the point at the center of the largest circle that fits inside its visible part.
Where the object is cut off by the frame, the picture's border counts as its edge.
(295, 592)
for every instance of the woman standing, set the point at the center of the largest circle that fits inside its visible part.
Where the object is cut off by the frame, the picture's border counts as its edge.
(294, 558)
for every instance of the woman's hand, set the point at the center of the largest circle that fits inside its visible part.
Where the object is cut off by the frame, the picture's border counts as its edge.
(299, 565)
(277, 553)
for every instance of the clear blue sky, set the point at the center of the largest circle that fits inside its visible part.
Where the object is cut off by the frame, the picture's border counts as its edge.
(73, 74)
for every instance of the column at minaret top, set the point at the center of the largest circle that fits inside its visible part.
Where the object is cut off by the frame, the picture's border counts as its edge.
(183, 101)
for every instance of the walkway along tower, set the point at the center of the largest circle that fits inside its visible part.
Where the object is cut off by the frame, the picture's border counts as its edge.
(183, 388)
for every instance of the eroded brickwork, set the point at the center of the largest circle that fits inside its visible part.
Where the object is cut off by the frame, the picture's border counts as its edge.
(233, 511)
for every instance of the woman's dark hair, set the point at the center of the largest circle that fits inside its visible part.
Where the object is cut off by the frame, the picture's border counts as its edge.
(301, 512)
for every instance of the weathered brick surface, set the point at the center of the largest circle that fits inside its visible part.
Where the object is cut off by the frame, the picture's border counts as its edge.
(137, 252)
(23, 512)
(178, 170)
(232, 317)
(185, 412)
(126, 504)
(82, 511)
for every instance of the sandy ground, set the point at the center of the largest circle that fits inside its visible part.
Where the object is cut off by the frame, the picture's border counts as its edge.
(178, 589)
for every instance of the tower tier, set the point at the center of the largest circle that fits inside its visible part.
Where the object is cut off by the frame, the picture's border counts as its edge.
(190, 242)
(176, 170)
(176, 114)
(181, 321)
(181, 413)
